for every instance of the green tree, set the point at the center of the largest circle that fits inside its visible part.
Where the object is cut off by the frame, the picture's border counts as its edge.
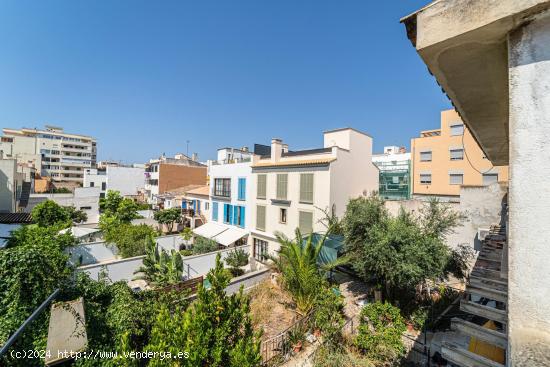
(216, 330)
(76, 216)
(379, 335)
(203, 245)
(168, 217)
(399, 252)
(328, 316)
(114, 205)
(31, 268)
(187, 234)
(130, 240)
(299, 263)
(49, 213)
(237, 259)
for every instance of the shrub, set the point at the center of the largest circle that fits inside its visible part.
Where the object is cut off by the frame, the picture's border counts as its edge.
(328, 315)
(131, 240)
(380, 329)
(49, 213)
(203, 245)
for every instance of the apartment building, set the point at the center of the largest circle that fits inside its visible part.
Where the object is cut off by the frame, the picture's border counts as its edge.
(394, 180)
(229, 219)
(446, 158)
(127, 180)
(165, 174)
(292, 189)
(15, 185)
(53, 153)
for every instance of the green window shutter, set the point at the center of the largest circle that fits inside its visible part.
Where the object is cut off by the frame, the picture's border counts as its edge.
(262, 183)
(305, 222)
(260, 217)
(306, 188)
(282, 186)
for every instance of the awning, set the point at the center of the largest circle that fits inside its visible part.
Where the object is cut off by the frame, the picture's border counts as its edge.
(230, 235)
(210, 229)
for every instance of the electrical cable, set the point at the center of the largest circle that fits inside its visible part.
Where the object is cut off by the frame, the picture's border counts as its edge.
(468, 158)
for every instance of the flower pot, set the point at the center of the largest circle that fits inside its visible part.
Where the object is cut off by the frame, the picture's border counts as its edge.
(297, 347)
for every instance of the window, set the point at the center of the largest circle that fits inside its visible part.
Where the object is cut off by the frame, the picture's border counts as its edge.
(456, 154)
(262, 187)
(282, 186)
(426, 156)
(490, 178)
(282, 215)
(222, 187)
(260, 217)
(242, 189)
(206, 205)
(103, 186)
(426, 178)
(305, 222)
(102, 195)
(456, 178)
(215, 211)
(238, 216)
(457, 129)
(85, 208)
(306, 188)
(92, 184)
(260, 249)
(227, 213)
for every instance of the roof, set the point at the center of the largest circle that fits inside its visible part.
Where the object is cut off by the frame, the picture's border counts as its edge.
(295, 163)
(13, 218)
(202, 190)
(346, 128)
(222, 234)
(183, 190)
(79, 232)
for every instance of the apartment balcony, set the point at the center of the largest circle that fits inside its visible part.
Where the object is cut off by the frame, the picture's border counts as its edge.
(77, 149)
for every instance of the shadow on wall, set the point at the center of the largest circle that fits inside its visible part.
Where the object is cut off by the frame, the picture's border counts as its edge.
(6, 194)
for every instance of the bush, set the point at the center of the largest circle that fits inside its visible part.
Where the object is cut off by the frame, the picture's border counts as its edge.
(131, 240)
(186, 252)
(380, 329)
(328, 315)
(49, 213)
(203, 245)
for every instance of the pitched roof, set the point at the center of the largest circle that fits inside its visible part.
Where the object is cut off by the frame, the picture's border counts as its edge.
(202, 190)
(295, 163)
(182, 190)
(12, 218)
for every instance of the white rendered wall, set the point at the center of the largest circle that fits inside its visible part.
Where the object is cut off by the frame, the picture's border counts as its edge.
(82, 198)
(126, 180)
(529, 198)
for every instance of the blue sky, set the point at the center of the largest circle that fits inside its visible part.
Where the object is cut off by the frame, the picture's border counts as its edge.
(145, 76)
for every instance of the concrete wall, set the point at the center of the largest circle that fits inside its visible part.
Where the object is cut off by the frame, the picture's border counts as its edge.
(126, 180)
(92, 253)
(8, 170)
(529, 214)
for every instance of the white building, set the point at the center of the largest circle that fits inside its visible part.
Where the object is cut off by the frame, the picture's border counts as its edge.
(53, 153)
(292, 189)
(126, 180)
(229, 219)
(15, 185)
(83, 198)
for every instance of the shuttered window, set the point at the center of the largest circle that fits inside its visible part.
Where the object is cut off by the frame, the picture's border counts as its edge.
(456, 178)
(306, 188)
(456, 154)
(426, 156)
(282, 186)
(457, 130)
(215, 211)
(242, 189)
(262, 187)
(305, 222)
(260, 217)
(426, 178)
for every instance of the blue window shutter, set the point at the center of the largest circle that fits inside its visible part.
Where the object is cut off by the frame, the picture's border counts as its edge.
(230, 210)
(242, 188)
(215, 211)
(184, 204)
(242, 217)
(225, 209)
(235, 215)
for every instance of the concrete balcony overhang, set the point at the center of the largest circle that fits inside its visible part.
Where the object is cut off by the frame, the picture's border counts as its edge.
(464, 44)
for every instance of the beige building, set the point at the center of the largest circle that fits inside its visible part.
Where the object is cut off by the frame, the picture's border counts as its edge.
(444, 159)
(291, 189)
(51, 151)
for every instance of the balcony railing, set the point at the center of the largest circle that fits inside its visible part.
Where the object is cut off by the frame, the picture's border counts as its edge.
(231, 161)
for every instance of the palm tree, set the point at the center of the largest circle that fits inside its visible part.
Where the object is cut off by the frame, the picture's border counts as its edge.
(299, 263)
(160, 268)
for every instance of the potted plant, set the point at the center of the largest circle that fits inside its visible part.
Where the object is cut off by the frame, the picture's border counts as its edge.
(295, 337)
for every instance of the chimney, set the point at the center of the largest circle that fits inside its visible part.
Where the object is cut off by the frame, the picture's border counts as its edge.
(285, 148)
(194, 157)
(276, 149)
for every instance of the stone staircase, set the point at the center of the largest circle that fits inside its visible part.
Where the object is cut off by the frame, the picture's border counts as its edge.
(485, 298)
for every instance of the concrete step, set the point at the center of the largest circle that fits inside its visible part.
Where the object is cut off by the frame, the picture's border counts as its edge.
(464, 358)
(489, 283)
(487, 312)
(487, 292)
(486, 273)
(496, 256)
(479, 332)
(492, 259)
